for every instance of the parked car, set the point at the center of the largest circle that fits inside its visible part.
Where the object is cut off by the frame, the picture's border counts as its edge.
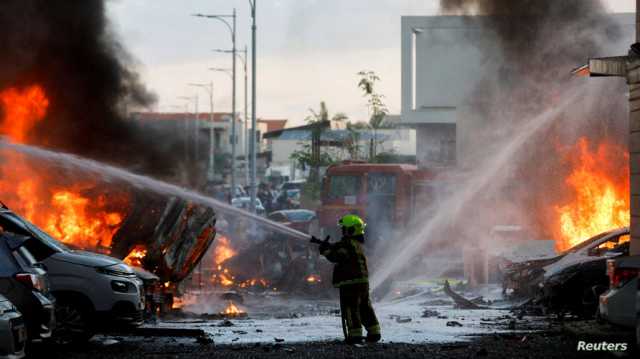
(297, 184)
(245, 202)
(25, 284)
(13, 333)
(93, 292)
(618, 304)
(299, 219)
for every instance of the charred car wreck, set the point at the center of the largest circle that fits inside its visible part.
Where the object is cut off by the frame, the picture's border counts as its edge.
(571, 282)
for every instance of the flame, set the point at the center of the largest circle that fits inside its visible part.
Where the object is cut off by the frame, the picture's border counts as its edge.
(183, 301)
(61, 206)
(232, 309)
(223, 250)
(599, 183)
(135, 257)
(312, 279)
(22, 110)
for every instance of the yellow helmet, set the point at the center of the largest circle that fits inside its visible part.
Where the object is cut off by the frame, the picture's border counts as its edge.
(353, 224)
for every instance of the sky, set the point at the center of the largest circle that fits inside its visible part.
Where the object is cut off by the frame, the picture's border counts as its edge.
(308, 51)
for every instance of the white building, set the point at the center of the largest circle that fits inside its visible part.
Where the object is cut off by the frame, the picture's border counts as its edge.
(283, 144)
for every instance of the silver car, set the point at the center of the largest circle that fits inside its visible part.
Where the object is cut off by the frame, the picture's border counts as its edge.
(618, 304)
(13, 333)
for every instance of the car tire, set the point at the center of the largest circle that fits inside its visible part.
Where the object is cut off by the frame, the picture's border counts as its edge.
(73, 321)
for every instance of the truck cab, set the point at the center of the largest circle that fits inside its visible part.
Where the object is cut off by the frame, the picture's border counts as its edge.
(387, 196)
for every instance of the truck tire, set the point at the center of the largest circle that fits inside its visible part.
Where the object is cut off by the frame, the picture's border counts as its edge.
(73, 320)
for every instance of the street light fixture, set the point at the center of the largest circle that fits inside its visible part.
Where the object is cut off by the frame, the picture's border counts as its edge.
(232, 29)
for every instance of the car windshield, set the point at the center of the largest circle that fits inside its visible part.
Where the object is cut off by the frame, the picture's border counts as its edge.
(585, 243)
(300, 216)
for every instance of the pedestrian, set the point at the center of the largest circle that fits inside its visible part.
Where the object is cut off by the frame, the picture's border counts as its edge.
(351, 277)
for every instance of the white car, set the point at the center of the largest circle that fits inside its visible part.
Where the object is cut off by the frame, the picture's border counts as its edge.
(93, 292)
(13, 332)
(618, 304)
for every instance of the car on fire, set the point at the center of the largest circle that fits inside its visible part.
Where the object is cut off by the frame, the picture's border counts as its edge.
(93, 292)
(571, 281)
(13, 333)
(25, 283)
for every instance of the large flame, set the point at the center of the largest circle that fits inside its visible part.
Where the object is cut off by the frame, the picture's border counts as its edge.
(69, 208)
(22, 110)
(223, 250)
(599, 183)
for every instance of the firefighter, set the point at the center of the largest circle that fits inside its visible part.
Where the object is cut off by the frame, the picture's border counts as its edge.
(351, 277)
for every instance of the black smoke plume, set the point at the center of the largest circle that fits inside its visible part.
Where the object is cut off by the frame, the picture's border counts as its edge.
(536, 44)
(68, 47)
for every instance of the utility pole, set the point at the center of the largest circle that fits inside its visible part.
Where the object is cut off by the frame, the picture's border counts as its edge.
(246, 134)
(233, 110)
(246, 119)
(232, 29)
(253, 106)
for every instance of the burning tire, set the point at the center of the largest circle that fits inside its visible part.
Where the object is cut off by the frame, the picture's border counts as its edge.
(73, 321)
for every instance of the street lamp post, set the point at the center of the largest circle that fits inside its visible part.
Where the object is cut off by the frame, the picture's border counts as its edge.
(253, 106)
(211, 167)
(232, 29)
(246, 134)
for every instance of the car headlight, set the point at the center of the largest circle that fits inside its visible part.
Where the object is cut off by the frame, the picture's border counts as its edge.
(6, 307)
(119, 270)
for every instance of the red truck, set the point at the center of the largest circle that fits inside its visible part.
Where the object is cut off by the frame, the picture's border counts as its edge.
(387, 196)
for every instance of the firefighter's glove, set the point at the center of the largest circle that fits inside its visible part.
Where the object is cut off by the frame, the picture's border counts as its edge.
(324, 246)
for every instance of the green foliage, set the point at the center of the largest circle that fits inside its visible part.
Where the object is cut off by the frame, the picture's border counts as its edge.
(375, 100)
(305, 156)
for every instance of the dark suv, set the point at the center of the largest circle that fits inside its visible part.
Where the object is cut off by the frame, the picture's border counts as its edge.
(24, 282)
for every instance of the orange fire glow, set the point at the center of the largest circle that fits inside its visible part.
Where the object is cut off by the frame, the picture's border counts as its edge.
(599, 182)
(313, 279)
(232, 309)
(22, 110)
(69, 208)
(135, 257)
(223, 250)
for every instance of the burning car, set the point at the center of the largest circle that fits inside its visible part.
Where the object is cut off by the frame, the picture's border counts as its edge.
(573, 280)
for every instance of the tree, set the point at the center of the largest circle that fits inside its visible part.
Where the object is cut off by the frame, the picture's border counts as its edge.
(311, 154)
(377, 109)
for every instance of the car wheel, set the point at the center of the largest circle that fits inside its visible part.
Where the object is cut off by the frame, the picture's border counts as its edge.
(73, 322)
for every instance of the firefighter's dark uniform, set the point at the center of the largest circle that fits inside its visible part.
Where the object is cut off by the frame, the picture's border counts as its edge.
(351, 276)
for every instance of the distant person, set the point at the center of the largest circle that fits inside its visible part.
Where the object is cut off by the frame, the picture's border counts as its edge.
(266, 197)
(351, 277)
